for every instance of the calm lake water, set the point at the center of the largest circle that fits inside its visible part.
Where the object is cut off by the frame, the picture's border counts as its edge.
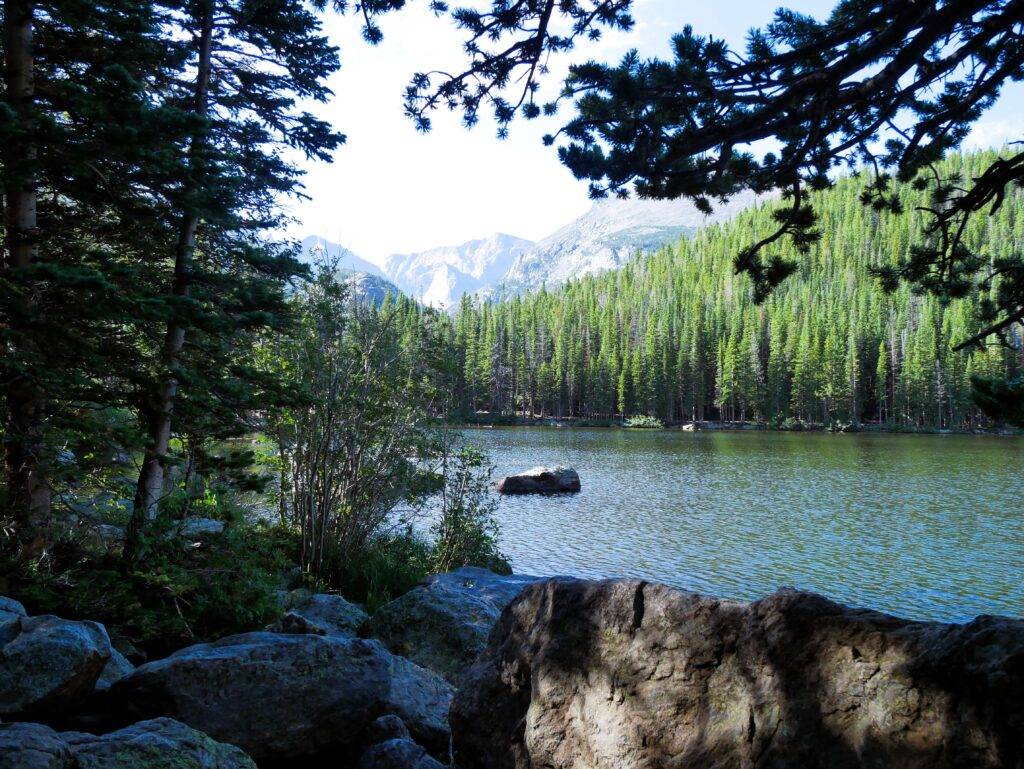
(924, 526)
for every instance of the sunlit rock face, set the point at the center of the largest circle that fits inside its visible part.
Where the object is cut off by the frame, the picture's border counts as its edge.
(440, 276)
(608, 236)
(631, 675)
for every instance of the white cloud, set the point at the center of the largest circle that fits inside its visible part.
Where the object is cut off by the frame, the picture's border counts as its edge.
(986, 134)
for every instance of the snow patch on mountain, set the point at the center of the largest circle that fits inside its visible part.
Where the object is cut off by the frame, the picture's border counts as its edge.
(608, 236)
(439, 277)
(314, 248)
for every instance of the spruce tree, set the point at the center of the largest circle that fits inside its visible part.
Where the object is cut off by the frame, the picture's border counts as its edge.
(83, 141)
(246, 67)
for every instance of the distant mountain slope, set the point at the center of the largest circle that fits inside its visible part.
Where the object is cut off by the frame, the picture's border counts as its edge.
(347, 260)
(440, 276)
(369, 288)
(607, 236)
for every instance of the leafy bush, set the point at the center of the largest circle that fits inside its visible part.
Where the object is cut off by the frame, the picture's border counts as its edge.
(178, 596)
(644, 422)
(390, 565)
(466, 533)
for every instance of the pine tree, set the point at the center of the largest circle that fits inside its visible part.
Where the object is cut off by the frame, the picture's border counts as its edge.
(83, 139)
(666, 320)
(224, 280)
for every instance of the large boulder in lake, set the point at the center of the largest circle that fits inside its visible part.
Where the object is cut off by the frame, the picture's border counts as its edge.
(48, 664)
(443, 624)
(541, 480)
(318, 613)
(159, 744)
(631, 675)
(283, 696)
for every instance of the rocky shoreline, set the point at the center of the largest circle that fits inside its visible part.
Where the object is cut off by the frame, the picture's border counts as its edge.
(484, 422)
(472, 669)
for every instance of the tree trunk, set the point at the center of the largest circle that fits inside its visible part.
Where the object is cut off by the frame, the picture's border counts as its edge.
(28, 491)
(160, 410)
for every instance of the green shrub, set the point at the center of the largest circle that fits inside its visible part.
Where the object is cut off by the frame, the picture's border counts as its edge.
(390, 565)
(178, 596)
(644, 422)
(466, 532)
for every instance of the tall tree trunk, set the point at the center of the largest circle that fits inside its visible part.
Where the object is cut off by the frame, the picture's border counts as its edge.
(160, 410)
(28, 491)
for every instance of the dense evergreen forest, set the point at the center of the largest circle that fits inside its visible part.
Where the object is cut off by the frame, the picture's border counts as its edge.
(677, 334)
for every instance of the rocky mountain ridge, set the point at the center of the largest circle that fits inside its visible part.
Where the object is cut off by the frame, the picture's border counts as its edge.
(608, 236)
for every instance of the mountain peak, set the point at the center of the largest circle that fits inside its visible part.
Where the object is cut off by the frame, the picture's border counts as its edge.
(315, 247)
(440, 276)
(607, 236)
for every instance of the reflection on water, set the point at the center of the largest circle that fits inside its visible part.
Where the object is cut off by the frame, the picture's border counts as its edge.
(930, 527)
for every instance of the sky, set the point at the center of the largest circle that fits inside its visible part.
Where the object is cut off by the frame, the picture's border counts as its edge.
(392, 189)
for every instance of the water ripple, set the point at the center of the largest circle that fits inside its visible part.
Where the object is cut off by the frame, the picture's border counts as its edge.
(928, 527)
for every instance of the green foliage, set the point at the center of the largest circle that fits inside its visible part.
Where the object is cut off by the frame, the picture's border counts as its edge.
(1001, 399)
(182, 594)
(888, 86)
(678, 335)
(385, 568)
(644, 422)
(466, 532)
(370, 387)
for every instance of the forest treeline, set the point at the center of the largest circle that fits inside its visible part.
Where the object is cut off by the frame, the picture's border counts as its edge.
(677, 335)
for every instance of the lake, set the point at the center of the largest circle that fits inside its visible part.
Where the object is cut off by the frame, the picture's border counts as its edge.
(924, 526)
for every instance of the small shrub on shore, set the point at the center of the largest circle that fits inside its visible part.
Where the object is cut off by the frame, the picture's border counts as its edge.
(390, 565)
(643, 421)
(180, 595)
(466, 533)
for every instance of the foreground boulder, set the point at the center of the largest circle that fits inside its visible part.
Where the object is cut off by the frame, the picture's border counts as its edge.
(48, 663)
(159, 744)
(443, 624)
(398, 754)
(282, 696)
(392, 747)
(33, 746)
(10, 609)
(630, 675)
(497, 589)
(541, 480)
(117, 667)
(318, 613)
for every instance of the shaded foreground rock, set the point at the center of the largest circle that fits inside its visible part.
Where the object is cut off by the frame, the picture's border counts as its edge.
(48, 663)
(498, 589)
(319, 613)
(283, 696)
(630, 675)
(443, 624)
(33, 746)
(398, 754)
(117, 667)
(158, 744)
(10, 609)
(541, 480)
